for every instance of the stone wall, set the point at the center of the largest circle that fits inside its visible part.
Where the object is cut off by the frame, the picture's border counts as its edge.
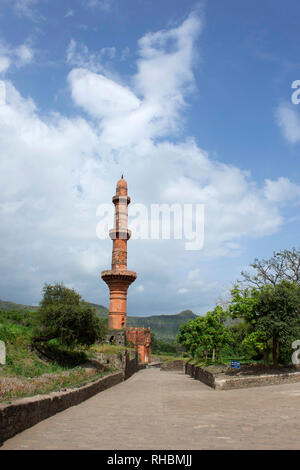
(26, 412)
(221, 381)
(201, 374)
(177, 365)
(117, 337)
(131, 365)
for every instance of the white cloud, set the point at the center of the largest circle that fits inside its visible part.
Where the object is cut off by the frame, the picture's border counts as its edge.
(78, 55)
(56, 170)
(26, 8)
(4, 63)
(282, 190)
(100, 96)
(163, 78)
(125, 53)
(18, 56)
(24, 54)
(288, 118)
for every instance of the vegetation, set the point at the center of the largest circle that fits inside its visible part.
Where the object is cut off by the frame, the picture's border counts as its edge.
(65, 316)
(47, 348)
(16, 330)
(11, 306)
(27, 372)
(162, 347)
(273, 315)
(262, 317)
(165, 327)
(282, 266)
(205, 336)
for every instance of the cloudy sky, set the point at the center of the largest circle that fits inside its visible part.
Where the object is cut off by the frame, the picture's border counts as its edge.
(191, 101)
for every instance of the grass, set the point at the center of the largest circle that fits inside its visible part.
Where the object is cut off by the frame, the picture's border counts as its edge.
(109, 348)
(77, 377)
(167, 357)
(20, 359)
(26, 373)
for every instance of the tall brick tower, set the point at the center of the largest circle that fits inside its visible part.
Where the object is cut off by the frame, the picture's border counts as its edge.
(119, 278)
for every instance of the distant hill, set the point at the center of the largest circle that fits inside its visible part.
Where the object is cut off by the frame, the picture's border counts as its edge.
(6, 306)
(165, 327)
(101, 311)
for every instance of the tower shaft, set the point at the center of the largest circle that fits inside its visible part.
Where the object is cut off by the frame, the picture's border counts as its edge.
(119, 278)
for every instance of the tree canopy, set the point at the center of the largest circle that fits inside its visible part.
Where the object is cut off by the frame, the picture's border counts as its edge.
(284, 265)
(64, 315)
(205, 335)
(264, 310)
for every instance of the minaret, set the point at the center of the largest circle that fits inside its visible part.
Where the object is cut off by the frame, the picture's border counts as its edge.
(118, 278)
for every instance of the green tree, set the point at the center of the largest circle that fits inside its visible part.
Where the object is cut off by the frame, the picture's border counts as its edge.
(64, 315)
(272, 311)
(205, 335)
(278, 315)
(244, 305)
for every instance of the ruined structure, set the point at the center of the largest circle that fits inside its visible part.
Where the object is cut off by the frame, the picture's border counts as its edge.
(141, 338)
(119, 279)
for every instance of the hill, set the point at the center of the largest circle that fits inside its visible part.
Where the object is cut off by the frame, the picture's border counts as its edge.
(165, 327)
(101, 311)
(7, 306)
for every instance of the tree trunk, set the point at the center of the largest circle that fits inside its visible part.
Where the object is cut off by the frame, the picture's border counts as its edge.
(274, 353)
(39, 339)
(213, 354)
(266, 358)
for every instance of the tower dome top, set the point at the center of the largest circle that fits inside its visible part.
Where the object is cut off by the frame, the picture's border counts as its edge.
(122, 182)
(122, 187)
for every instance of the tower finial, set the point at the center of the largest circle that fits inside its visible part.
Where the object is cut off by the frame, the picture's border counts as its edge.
(122, 176)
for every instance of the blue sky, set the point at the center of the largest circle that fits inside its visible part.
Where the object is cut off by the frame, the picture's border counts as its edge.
(191, 100)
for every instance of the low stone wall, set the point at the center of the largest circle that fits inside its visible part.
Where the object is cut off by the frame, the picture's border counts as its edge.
(26, 412)
(221, 381)
(177, 365)
(131, 365)
(201, 374)
(224, 383)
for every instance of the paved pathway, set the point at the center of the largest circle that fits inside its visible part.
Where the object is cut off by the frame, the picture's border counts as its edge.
(168, 410)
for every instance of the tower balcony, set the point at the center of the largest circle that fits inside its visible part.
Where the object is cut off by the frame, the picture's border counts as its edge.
(120, 233)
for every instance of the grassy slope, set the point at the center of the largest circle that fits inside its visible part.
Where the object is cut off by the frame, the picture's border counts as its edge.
(25, 372)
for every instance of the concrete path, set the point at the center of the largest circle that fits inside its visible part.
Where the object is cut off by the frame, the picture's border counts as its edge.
(168, 410)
